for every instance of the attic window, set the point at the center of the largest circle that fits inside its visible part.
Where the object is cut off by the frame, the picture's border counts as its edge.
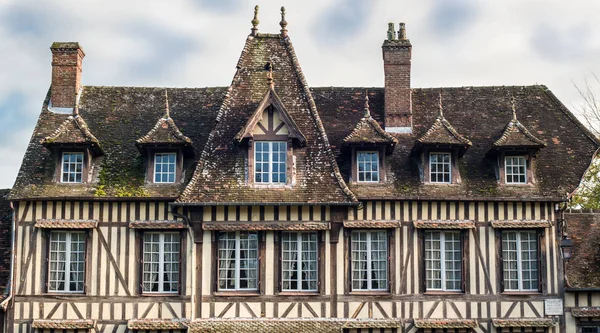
(440, 166)
(368, 166)
(270, 158)
(164, 167)
(72, 167)
(515, 168)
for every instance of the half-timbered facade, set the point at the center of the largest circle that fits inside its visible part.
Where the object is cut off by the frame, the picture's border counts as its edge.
(272, 206)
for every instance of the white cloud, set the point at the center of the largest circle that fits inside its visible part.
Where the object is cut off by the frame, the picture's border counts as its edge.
(197, 43)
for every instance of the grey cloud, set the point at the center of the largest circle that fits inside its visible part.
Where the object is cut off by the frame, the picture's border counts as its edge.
(556, 43)
(448, 17)
(220, 6)
(342, 21)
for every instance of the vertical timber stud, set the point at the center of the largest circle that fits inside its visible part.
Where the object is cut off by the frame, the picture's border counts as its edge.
(337, 220)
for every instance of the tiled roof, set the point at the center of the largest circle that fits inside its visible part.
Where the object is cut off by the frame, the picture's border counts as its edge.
(371, 224)
(480, 114)
(157, 224)
(444, 224)
(74, 130)
(516, 135)
(521, 224)
(64, 324)
(442, 133)
(233, 226)
(165, 132)
(524, 322)
(66, 224)
(589, 311)
(584, 230)
(118, 116)
(220, 176)
(297, 325)
(367, 130)
(445, 323)
(157, 324)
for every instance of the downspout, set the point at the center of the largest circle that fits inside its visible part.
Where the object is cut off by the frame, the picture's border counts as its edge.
(562, 265)
(5, 303)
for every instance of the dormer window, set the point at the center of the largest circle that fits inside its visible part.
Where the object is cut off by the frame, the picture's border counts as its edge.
(440, 168)
(165, 167)
(270, 162)
(515, 169)
(72, 167)
(367, 163)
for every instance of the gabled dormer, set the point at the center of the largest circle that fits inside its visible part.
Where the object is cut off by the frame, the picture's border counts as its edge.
(165, 149)
(514, 152)
(74, 146)
(270, 135)
(369, 144)
(439, 150)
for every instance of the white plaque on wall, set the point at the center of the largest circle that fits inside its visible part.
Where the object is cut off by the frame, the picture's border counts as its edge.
(553, 307)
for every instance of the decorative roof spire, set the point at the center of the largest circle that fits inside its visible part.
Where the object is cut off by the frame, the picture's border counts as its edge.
(391, 34)
(167, 111)
(283, 23)
(441, 108)
(513, 103)
(402, 31)
(270, 81)
(367, 111)
(255, 22)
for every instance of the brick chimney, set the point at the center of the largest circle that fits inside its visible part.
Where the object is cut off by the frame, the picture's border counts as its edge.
(66, 73)
(396, 68)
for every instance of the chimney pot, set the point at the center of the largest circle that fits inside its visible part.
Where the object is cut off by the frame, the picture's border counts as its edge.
(402, 31)
(66, 73)
(391, 33)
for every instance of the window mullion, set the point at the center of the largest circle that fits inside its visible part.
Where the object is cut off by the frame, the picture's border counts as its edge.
(161, 261)
(442, 259)
(519, 265)
(270, 154)
(369, 280)
(67, 262)
(299, 260)
(237, 260)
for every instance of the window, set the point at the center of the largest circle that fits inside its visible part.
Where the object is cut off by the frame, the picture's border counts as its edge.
(369, 260)
(164, 167)
(238, 260)
(520, 260)
(368, 166)
(161, 262)
(67, 261)
(72, 168)
(515, 168)
(299, 261)
(594, 328)
(440, 167)
(270, 162)
(443, 260)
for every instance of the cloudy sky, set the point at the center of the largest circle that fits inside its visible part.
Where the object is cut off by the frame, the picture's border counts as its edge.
(196, 43)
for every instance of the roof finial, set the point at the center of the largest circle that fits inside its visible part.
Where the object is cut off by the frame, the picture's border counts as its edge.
(391, 34)
(167, 111)
(283, 23)
(513, 105)
(270, 81)
(367, 111)
(441, 114)
(255, 22)
(402, 31)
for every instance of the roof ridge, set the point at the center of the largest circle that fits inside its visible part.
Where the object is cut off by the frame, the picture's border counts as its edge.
(439, 123)
(313, 110)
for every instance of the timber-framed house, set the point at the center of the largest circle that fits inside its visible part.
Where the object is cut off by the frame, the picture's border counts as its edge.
(273, 206)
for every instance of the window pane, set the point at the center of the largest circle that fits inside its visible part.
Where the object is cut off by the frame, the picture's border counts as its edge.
(66, 261)
(270, 162)
(238, 252)
(165, 167)
(440, 168)
(72, 168)
(369, 260)
(515, 168)
(161, 262)
(368, 166)
(519, 251)
(299, 261)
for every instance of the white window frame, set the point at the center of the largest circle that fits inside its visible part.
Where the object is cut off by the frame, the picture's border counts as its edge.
(67, 262)
(520, 260)
(375, 175)
(443, 260)
(164, 164)
(438, 165)
(71, 167)
(520, 158)
(297, 239)
(270, 163)
(369, 260)
(236, 260)
(161, 262)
